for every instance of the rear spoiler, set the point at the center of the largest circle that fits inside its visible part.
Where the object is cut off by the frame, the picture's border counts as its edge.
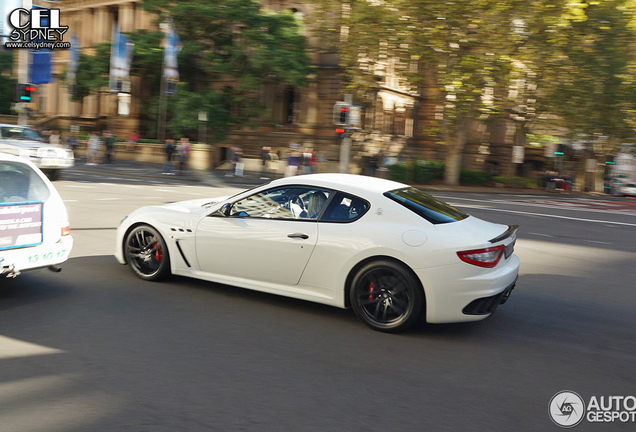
(512, 230)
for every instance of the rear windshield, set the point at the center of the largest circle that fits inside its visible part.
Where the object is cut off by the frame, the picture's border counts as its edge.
(19, 133)
(430, 208)
(19, 183)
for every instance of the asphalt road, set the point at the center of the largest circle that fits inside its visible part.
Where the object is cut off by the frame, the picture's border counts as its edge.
(93, 348)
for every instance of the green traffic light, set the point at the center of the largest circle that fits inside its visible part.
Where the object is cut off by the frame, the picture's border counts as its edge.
(559, 153)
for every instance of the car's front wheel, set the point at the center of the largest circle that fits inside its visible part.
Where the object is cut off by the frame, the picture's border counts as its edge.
(147, 254)
(386, 296)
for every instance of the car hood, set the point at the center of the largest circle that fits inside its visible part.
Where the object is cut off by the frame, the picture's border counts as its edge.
(191, 206)
(473, 229)
(25, 143)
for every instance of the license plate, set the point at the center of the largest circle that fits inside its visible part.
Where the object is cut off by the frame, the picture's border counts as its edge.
(509, 249)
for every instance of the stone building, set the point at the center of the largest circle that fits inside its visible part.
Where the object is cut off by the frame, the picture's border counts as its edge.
(393, 123)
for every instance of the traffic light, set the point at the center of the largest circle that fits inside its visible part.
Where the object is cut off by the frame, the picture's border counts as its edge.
(609, 160)
(341, 113)
(560, 151)
(23, 92)
(340, 132)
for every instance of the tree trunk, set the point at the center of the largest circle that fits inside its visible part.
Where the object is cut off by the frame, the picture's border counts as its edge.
(455, 142)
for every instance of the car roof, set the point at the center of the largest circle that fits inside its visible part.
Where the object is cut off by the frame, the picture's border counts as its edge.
(356, 184)
(13, 125)
(12, 158)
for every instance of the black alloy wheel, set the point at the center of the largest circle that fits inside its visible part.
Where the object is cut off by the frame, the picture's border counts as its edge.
(386, 296)
(147, 254)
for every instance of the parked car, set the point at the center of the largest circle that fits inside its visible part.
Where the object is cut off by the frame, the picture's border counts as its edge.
(627, 188)
(34, 227)
(27, 143)
(389, 251)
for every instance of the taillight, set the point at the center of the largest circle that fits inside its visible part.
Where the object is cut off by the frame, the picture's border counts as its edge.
(486, 257)
(66, 230)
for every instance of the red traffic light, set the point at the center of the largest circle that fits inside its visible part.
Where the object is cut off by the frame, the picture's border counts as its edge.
(340, 130)
(28, 88)
(344, 109)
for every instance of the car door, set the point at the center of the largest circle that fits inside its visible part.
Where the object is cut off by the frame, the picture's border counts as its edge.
(268, 236)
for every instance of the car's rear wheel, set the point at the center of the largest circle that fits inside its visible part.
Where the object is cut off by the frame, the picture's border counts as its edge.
(52, 174)
(147, 254)
(386, 296)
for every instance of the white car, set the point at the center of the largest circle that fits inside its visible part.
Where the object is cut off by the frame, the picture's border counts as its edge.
(27, 143)
(389, 251)
(34, 227)
(628, 188)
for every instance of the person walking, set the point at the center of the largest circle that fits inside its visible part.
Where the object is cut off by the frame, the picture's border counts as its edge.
(109, 143)
(94, 145)
(183, 153)
(169, 150)
(237, 160)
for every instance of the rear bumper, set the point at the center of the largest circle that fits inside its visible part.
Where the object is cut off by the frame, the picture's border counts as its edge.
(487, 305)
(15, 261)
(451, 289)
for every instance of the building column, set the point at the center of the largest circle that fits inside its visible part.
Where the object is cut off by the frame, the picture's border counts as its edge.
(126, 17)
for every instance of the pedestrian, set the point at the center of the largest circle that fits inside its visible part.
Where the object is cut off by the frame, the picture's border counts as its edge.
(169, 150)
(73, 142)
(265, 157)
(321, 160)
(109, 143)
(93, 146)
(133, 137)
(54, 138)
(292, 164)
(237, 160)
(183, 153)
(272, 163)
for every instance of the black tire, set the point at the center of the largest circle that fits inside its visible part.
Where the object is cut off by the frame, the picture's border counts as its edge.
(146, 253)
(386, 296)
(53, 174)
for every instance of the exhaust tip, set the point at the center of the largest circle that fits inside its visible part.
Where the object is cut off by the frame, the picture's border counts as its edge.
(55, 268)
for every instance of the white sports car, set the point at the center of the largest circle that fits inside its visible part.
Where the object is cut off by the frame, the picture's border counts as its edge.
(387, 250)
(34, 227)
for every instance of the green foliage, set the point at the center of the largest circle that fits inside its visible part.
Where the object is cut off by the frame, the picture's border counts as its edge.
(7, 84)
(521, 182)
(401, 172)
(92, 72)
(416, 171)
(475, 178)
(7, 90)
(426, 171)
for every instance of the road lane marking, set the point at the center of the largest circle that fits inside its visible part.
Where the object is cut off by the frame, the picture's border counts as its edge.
(13, 348)
(562, 205)
(543, 235)
(552, 216)
(598, 242)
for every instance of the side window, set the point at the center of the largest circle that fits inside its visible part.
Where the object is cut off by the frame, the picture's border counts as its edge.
(295, 202)
(345, 208)
(18, 182)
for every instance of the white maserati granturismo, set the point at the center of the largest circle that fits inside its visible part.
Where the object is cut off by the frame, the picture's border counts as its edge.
(387, 250)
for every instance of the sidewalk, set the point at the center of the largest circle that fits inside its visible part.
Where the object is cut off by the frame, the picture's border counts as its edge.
(225, 177)
(215, 178)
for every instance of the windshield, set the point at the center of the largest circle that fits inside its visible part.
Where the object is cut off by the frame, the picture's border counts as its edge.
(20, 133)
(430, 208)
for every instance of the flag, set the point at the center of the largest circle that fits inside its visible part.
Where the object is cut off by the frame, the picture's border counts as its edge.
(40, 68)
(172, 47)
(121, 52)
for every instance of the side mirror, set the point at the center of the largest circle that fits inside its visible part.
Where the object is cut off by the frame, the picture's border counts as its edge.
(223, 211)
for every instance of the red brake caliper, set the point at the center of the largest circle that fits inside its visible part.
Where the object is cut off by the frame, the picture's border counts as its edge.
(371, 290)
(158, 254)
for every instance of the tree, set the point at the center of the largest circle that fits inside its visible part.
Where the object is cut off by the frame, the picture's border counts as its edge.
(7, 84)
(231, 49)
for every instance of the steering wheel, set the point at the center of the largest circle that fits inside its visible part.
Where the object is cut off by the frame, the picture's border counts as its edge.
(296, 205)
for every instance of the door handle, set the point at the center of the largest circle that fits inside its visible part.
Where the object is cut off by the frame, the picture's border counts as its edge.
(298, 235)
